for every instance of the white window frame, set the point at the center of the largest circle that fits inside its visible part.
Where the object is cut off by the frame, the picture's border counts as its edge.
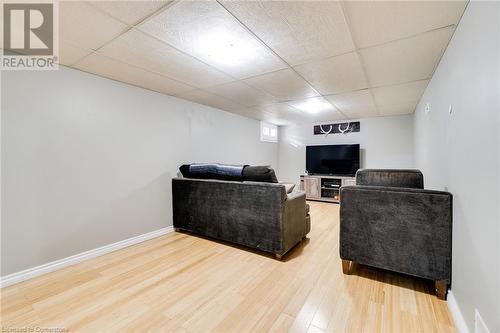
(269, 128)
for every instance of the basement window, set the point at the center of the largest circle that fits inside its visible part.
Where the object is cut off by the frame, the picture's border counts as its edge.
(268, 132)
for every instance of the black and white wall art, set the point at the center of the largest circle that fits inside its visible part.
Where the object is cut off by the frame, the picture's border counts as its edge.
(338, 128)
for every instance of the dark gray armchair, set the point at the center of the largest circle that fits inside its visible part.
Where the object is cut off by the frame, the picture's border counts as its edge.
(389, 221)
(254, 214)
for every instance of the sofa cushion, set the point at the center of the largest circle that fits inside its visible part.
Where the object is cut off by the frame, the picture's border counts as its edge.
(288, 187)
(259, 174)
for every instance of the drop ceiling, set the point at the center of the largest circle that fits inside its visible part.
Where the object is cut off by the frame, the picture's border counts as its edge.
(283, 62)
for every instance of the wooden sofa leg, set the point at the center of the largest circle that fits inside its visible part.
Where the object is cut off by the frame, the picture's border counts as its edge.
(346, 264)
(441, 289)
(177, 229)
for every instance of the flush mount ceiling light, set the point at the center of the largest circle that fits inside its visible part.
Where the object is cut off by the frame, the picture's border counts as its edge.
(313, 105)
(226, 48)
(208, 32)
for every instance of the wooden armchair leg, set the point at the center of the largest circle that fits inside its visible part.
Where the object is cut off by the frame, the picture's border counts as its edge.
(441, 289)
(346, 264)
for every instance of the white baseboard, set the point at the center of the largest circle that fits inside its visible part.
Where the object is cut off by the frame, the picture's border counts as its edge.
(456, 314)
(58, 264)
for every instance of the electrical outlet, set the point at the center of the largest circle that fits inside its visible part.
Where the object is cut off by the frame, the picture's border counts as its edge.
(427, 108)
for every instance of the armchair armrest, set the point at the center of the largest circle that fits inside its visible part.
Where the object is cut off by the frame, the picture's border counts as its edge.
(401, 229)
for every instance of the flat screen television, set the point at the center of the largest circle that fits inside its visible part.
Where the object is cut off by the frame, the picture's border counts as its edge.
(333, 159)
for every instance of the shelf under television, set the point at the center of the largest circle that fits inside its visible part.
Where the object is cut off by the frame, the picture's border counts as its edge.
(317, 186)
(327, 199)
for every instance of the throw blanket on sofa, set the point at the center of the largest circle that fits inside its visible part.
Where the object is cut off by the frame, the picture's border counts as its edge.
(229, 172)
(217, 169)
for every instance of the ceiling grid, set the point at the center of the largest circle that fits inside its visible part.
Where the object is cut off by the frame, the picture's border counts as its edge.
(282, 62)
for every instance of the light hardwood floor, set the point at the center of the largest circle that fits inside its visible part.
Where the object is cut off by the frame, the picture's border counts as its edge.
(182, 283)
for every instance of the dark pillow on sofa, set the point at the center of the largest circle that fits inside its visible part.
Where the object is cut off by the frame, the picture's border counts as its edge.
(259, 174)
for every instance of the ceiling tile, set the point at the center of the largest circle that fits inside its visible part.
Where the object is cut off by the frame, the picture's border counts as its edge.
(405, 60)
(399, 99)
(299, 31)
(278, 121)
(399, 94)
(107, 67)
(85, 26)
(335, 75)
(376, 22)
(286, 113)
(397, 110)
(139, 49)
(282, 109)
(242, 94)
(69, 54)
(284, 85)
(206, 98)
(207, 31)
(130, 12)
(314, 105)
(356, 104)
(327, 117)
(261, 114)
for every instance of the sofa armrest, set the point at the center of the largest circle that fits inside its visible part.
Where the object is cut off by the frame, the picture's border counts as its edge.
(298, 195)
(402, 229)
(294, 219)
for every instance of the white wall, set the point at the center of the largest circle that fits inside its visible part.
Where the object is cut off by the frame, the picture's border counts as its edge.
(87, 161)
(460, 152)
(385, 142)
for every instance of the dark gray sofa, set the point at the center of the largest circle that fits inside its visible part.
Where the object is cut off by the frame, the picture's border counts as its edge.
(254, 214)
(389, 221)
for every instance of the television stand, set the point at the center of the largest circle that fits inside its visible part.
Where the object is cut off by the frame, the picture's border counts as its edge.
(324, 187)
